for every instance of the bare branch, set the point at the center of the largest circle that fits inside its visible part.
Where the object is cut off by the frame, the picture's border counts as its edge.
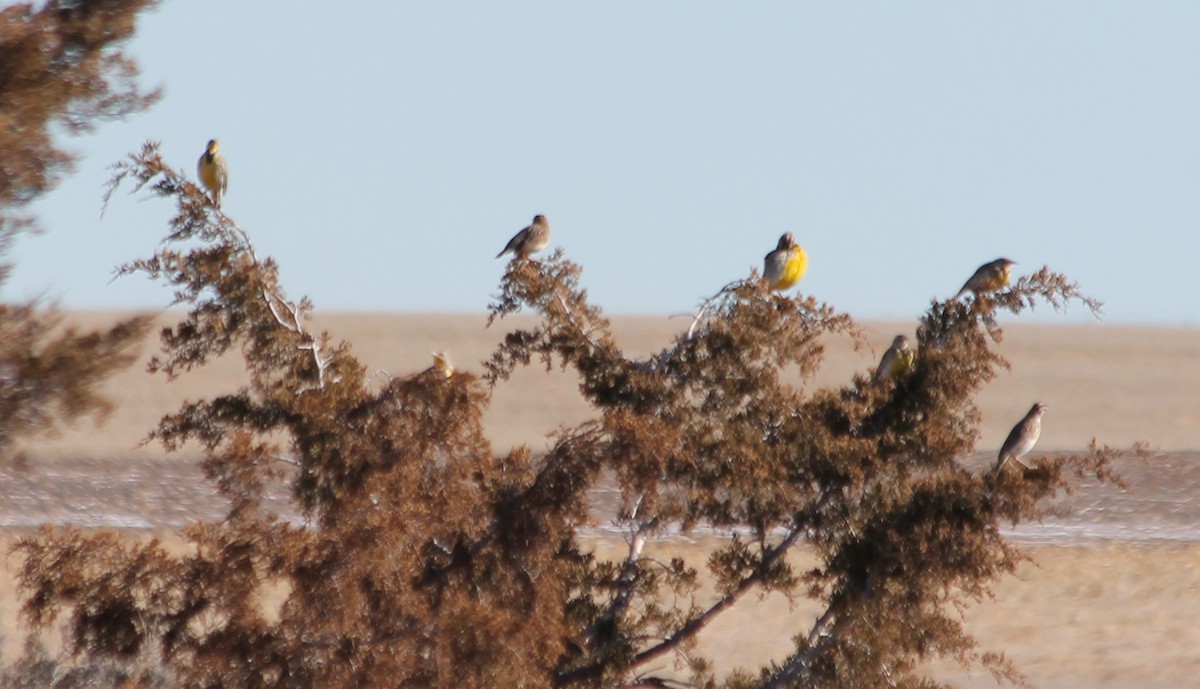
(697, 623)
(707, 303)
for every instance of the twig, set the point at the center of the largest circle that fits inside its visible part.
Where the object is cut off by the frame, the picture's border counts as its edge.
(286, 460)
(818, 639)
(663, 358)
(701, 621)
(294, 318)
(626, 581)
(707, 303)
(657, 682)
(697, 623)
(585, 334)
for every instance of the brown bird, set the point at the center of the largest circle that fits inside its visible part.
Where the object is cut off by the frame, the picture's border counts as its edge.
(989, 277)
(897, 360)
(1022, 438)
(530, 240)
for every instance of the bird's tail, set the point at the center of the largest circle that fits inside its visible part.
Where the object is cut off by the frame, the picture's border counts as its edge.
(1006, 458)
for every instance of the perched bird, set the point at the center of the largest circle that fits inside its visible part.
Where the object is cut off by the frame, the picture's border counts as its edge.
(212, 171)
(442, 365)
(530, 240)
(1023, 437)
(989, 277)
(897, 360)
(784, 266)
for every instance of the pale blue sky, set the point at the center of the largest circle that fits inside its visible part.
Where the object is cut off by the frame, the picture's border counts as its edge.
(384, 157)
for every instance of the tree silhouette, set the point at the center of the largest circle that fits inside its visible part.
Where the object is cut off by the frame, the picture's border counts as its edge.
(60, 71)
(426, 559)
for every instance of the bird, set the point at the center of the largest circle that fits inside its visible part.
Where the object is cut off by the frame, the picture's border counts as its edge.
(989, 277)
(530, 240)
(897, 360)
(784, 266)
(442, 365)
(212, 171)
(1022, 437)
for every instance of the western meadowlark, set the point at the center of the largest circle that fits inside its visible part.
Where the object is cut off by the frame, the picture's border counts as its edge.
(442, 365)
(897, 360)
(212, 171)
(530, 240)
(989, 277)
(784, 266)
(1023, 437)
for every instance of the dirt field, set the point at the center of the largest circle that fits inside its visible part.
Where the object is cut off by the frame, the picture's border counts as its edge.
(1116, 612)
(1117, 384)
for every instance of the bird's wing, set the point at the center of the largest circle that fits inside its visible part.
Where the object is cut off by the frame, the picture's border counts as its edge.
(885, 364)
(1012, 442)
(512, 244)
(772, 267)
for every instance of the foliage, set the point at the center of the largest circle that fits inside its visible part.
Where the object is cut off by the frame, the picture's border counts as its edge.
(60, 70)
(49, 374)
(38, 669)
(424, 559)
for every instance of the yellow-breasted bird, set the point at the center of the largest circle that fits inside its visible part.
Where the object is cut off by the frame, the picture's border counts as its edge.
(1022, 437)
(989, 277)
(441, 364)
(530, 240)
(897, 360)
(784, 266)
(212, 171)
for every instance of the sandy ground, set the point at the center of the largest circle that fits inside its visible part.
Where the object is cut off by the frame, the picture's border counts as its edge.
(1114, 615)
(1116, 384)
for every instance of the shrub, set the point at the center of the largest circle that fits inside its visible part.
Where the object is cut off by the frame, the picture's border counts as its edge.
(428, 560)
